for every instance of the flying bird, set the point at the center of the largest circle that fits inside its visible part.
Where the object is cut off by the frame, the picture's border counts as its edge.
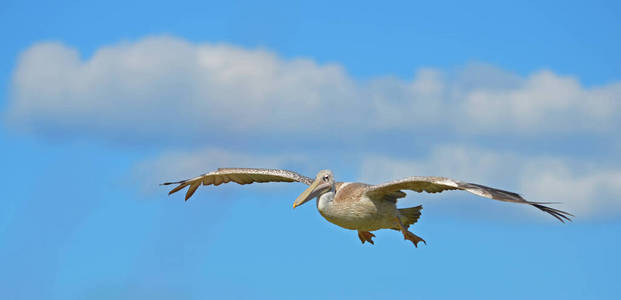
(359, 206)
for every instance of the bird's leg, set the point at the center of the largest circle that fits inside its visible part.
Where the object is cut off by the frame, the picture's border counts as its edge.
(366, 236)
(408, 235)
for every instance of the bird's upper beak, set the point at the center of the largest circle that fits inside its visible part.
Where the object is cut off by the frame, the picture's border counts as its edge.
(317, 188)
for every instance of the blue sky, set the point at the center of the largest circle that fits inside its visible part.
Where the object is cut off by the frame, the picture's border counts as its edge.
(101, 102)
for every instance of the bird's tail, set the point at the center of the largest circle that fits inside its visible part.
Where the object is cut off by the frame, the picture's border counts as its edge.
(410, 215)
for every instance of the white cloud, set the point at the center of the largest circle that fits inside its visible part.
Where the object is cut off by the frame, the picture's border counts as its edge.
(585, 189)
(165, 86)
(457, 161)
(545, 101)
(588, 190)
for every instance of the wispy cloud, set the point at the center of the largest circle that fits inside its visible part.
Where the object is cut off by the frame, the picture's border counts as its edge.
(583, 188)
(187, 92)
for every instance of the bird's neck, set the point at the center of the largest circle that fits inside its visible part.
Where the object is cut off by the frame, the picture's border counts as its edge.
(324, 200)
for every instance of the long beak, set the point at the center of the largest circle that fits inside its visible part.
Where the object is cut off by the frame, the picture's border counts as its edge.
(317, 188)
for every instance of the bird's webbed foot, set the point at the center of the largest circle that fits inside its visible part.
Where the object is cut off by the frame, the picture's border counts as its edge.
(413, 238)
(366, 236)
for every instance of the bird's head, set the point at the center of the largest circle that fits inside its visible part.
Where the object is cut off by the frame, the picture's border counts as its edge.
(324, 182)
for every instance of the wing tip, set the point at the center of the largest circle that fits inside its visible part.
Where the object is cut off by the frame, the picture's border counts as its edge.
(181, 185)
(557, 213)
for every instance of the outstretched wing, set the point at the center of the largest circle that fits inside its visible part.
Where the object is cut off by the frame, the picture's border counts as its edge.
(439, 184)
(237, 175)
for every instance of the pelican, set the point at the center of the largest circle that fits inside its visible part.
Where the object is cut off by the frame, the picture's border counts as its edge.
(359, 206)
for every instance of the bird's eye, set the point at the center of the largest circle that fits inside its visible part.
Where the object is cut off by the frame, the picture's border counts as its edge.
(325, 178)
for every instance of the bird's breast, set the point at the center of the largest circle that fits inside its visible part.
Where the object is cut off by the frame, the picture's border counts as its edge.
(359, 213)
